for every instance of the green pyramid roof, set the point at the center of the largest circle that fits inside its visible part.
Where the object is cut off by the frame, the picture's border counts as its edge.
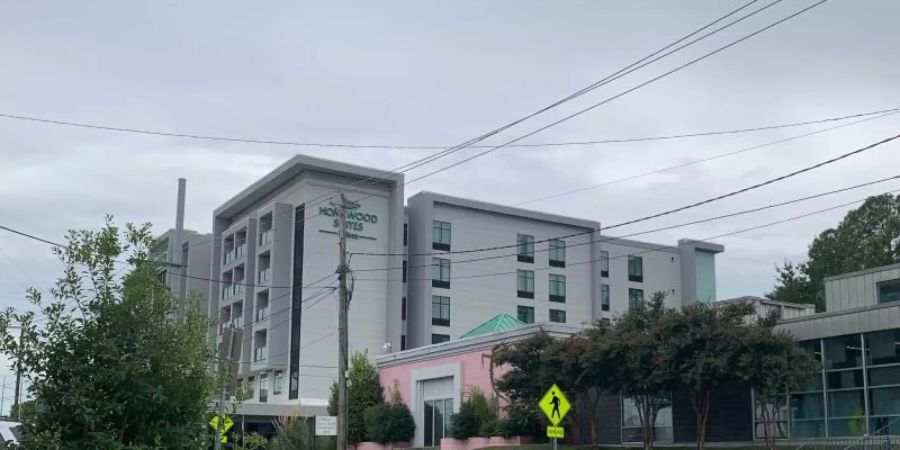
(500, 322)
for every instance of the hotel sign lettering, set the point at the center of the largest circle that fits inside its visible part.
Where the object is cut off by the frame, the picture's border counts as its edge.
(356, 220)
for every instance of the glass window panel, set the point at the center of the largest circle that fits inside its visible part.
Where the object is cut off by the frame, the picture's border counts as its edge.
(604, 297)
(807, 428)
(855, 426)
(635, 297)
(525, 280)
(525, 245)
(631, 423)
(807, 406)
(635, 266)
(814, 383)
(604, 261)
(889, 291)
(429, 424)
(885, 425)
(845, 379)
(776, 407)
(843, 352)
(814, 347)
(846, 404)
(526, 314)
(557, 250)
(777, 429)
(881, 376)
(885, 401)
(439, 417)
(883, 347)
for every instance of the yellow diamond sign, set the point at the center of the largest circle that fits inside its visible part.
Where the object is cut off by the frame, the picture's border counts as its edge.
(555, 405)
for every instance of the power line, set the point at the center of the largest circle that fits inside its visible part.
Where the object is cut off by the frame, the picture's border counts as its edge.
(664, 247)
(663, 213)
(609, 99)
(655, 230)
(612, 77)
(434, 147)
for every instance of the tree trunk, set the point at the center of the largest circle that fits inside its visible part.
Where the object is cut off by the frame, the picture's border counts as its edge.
(700, 402)
(592, 415)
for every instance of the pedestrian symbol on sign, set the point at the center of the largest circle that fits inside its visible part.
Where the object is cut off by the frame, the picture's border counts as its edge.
(555, 405)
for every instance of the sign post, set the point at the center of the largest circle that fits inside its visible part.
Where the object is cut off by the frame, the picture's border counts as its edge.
(555, 406)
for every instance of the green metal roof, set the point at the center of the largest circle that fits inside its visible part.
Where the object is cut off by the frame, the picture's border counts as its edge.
(500, 322)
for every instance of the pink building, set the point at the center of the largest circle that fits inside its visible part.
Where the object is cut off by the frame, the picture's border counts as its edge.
(432, 379)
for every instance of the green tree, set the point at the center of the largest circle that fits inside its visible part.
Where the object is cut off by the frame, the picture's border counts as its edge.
(364, 391)
(292, 433)
(703, 344)
(526, 378)
(772, 363)
(391, 422)
(110, 366)
(476, 416)
(641, 369)
(866, 237)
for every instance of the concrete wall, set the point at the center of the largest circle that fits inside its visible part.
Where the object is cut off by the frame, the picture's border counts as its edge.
(857, 289)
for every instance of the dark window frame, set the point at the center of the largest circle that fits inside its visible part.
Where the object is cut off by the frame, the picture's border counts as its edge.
(885, 283)
(557, 312)
(605, 297)
(441, 320)
(403, 309)
(634, 275)
(528, 309)
(604, 260)
(525, 248)
(437, 226)
(555, 280)
(441, 282)
(557, 253)
(524, 293)
(440, 338)
(631, 302)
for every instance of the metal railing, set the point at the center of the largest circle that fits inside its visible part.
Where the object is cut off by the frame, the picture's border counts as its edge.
(878, 440)
(265, 237)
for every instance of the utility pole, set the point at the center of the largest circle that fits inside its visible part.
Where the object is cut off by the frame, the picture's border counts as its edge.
(343, 405)
(18, 376)
(2, 394)
(177, 255)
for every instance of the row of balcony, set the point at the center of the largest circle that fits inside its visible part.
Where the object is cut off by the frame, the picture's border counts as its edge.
(231, 290)
(237, 253)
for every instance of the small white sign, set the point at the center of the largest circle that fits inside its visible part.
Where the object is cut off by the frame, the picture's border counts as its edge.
(326, 425)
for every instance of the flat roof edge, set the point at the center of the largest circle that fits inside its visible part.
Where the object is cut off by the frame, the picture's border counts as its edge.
(506, 210)
(294, 166)
(863, 272)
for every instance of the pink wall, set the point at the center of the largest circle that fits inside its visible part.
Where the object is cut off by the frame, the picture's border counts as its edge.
(475, 368)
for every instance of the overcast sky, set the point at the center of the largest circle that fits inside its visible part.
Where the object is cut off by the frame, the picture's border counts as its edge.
(437, 73)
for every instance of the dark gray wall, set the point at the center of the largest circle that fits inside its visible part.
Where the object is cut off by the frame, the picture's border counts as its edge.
(609, 421)
(730, 417)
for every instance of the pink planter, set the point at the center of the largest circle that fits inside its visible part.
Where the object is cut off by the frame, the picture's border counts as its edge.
(369, 446)
(479, 442)
(454, 444)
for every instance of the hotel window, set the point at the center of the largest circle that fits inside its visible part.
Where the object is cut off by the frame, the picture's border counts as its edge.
(438, 338)
(404, 271)
(440, 310)
(440, 235)
(405, 234)
(525, 314)
(604, 297)
(403, 309)
(807, 404)
(558, 316)
(402, 342)
(251, 386)
(883, 366)
(635, 268)
(263, 388)
(278, 382)
(525, 244)
(437, 415)
(557, 253)
(635, 297)
(844, 386)
(557, 288)
(525, 283)
(604, 264)
(631, 421)
(889, 291)
(440, 273)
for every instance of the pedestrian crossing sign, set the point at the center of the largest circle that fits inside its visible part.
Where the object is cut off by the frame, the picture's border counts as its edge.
(555, 405)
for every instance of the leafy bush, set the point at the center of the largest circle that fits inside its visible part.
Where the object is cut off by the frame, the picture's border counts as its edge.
(390, 423)
(519, 421)
(477, 416)
(292, 433)
(364, 389)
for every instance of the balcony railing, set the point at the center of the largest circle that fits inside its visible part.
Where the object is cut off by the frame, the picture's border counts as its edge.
(260, 353)
(229, 256)
(264, 276)
(232, 290)
(240, 250)
(262, 313)
(265, 237)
